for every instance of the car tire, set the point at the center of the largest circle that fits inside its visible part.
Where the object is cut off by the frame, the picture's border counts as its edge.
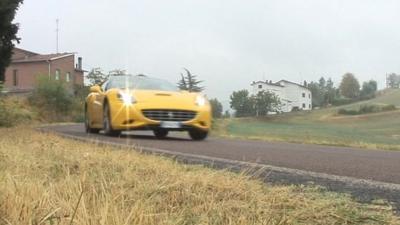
(198, 135)
(107, 126)
(160, 133)
(88, 129)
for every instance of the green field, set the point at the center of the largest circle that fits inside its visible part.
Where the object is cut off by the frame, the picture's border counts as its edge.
(376, 130)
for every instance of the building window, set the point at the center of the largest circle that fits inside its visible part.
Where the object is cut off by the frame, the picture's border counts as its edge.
(68, 77)
(57, 75)
(304, 105)
(309, 95)
(309, 106)
(304, 95)
(15, 77)
(260, 86)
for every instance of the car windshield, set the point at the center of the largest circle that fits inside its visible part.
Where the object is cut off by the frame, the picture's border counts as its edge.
(140, 83)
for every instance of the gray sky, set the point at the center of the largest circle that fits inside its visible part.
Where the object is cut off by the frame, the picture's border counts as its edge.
(227, 43)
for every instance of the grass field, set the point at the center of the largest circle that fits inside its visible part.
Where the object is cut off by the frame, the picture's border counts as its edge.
(324, 126)
(45, 179)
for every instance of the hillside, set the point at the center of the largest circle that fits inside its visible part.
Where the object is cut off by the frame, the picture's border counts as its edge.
(389, 96)
(376, 130)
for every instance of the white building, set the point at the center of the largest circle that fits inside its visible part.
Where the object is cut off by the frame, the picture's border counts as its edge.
(293, 96)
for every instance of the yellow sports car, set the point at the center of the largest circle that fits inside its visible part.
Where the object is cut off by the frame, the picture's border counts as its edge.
(128, 102)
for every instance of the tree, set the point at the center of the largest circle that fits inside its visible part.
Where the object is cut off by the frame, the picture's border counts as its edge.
(96, 76)
(117, 72)
(265, 102)
(190, 82)
(8, 33)
(216, 107)
(368, 89)
(393, 80)
(322, 82)
(227, 114)
(182, 85)
(349, 87)
(330, 92)
(241, 103)
(317, 94)
(323, 92)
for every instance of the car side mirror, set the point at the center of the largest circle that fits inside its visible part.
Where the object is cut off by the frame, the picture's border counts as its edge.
(95, 89)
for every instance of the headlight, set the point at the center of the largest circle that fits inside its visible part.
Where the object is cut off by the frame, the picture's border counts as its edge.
(200, 100)
(126, 98)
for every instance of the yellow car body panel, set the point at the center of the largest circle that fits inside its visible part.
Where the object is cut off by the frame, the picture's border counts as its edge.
(130, 116)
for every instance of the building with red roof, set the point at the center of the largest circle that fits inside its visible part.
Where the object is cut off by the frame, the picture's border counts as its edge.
(27, 66)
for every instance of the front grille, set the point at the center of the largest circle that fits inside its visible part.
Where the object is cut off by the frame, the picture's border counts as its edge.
(169, 114)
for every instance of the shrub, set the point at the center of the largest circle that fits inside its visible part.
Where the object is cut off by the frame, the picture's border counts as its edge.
(51, 95)
(296, 109)
(13, 113)
(348, 112)
(364, 109)
(342, 101)
(81, 92)
(6, 119)
(78, 104)
(369, 109)
(388, 108)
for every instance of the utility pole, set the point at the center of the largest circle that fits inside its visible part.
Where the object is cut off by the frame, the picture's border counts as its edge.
(57, 35)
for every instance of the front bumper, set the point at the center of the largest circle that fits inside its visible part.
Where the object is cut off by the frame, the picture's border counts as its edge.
(130, 117)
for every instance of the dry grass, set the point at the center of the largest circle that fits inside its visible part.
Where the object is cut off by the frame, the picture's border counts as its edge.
(45, 179)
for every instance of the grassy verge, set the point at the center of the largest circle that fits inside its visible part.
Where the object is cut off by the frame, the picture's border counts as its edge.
(45, 179)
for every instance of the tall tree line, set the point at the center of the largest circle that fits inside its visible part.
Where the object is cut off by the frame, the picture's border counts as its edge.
(325, 93)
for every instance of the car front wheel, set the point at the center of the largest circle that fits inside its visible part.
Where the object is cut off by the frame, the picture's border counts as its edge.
(160, 133)
(107, 126)
(88, 129)
(198, 135)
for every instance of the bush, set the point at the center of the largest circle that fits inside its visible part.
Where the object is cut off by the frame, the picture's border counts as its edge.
(348, 112)
(52, 95)
(369, 109)
(364, 109)
(389, 108)
(6, 119)
(12, 113)
(342, 101)
(296, 109)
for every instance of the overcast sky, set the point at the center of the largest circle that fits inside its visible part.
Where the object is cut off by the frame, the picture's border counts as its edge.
(226, 43)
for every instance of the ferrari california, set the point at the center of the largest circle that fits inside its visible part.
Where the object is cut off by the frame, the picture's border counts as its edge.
(127, 102)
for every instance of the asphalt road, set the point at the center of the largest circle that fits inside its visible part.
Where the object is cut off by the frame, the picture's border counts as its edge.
(377, 165)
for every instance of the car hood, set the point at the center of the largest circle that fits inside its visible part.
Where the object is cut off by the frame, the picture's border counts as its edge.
(152, 96)
(152, 99)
